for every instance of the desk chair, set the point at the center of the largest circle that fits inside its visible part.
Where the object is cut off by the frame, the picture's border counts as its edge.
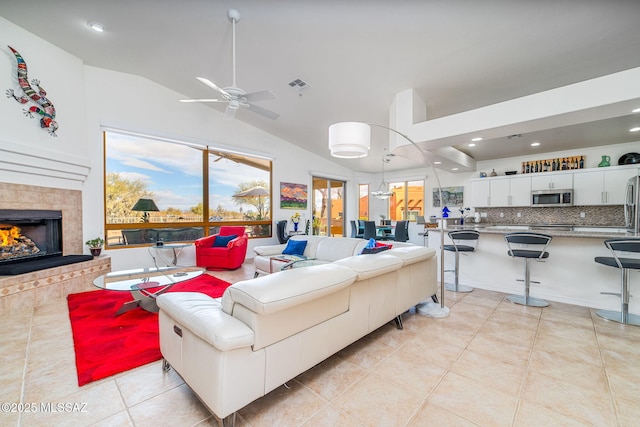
(630, 261)
(528, 246)
(457, 246)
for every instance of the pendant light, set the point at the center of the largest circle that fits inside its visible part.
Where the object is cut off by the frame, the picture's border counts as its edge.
(383, 192)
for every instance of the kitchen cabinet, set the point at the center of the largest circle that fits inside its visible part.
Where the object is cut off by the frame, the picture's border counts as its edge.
(552, 181)
(500, 192)
(510, 191)
(601, 186)
(480, 193)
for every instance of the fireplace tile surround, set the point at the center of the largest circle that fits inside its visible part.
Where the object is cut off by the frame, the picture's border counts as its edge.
(25, 291)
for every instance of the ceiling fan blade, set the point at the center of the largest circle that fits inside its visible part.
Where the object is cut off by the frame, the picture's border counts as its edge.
(229, 113)
(263, 95)
(213, 86)
(203, 100)
(263, 111)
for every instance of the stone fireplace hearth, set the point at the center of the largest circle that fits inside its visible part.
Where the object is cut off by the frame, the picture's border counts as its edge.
(25, 291)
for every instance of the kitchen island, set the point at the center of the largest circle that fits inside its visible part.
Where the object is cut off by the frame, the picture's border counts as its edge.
(570, 274)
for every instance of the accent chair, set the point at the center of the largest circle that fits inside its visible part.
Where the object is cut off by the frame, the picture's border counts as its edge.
(227, 253)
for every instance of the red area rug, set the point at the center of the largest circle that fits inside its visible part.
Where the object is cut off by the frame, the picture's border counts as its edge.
(106, 344)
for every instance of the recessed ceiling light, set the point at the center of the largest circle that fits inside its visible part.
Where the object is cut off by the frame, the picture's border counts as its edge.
(454, 169)
(96, 26)
(437, 163)
(535, 144)
(637, 110)
(634, 129)
(476, 139)
(471, 144)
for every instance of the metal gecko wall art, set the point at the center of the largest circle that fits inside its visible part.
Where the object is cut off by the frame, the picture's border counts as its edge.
(44, 106)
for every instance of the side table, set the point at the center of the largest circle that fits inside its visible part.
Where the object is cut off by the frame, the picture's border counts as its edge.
(176, 248)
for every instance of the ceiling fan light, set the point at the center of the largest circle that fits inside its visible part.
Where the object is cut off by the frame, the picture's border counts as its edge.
(349, 140)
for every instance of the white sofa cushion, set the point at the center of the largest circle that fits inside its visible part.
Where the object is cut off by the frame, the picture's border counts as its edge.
(333, 249)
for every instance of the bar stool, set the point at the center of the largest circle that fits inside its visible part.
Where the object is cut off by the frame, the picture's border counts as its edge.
(626, 264)
(457, 237)
(538, 253)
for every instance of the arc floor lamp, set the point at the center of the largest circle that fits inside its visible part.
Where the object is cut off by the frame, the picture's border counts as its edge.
(351, 140)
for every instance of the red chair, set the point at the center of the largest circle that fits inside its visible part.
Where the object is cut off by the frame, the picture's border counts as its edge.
(224, 254)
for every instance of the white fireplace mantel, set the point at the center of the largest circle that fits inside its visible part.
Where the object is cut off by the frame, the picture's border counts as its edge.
(21, 161)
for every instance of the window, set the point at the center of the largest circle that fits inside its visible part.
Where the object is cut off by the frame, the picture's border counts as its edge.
(328, 207)
(160, 190)
(407, 201)
(363, 202)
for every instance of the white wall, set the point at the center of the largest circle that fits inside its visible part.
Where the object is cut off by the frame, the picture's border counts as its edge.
(25, 148)
(88, 98)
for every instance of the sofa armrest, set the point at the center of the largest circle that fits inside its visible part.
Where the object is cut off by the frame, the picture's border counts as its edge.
(203, 316)
(269, 250)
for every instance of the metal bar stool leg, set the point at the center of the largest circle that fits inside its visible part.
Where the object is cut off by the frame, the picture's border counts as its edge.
(623, 316)
(457, 287)
(526, 299)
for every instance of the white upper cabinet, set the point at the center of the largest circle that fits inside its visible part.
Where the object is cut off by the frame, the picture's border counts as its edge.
(601, 186)
(480, 193)
(501, 192)
(512, 191)
(552, 181)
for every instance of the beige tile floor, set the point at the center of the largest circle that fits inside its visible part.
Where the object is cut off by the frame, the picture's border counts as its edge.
(490, 363)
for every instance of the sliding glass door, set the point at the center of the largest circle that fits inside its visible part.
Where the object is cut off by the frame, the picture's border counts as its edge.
(328, 207)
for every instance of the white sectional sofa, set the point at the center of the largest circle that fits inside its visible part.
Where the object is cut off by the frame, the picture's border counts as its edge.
(265, 331)
(320, 248)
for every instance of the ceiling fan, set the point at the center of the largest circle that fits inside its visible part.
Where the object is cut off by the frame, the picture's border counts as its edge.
(233, 95)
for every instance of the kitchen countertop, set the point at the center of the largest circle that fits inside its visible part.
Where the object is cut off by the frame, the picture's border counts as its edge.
(598, 232)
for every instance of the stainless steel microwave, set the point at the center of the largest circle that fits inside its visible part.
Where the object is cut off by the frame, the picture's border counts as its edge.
(549, 198)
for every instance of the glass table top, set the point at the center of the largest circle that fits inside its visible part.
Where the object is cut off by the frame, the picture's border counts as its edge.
(141, 278)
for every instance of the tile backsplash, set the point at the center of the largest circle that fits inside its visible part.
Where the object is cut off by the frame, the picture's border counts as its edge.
(612, 216)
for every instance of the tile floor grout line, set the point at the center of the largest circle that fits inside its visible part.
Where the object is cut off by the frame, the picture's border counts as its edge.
(606, 371)
(448, 370)
(527, 371)
(26, 365)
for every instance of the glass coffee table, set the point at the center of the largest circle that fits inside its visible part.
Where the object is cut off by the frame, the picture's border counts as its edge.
(145, 284)
(285, 262)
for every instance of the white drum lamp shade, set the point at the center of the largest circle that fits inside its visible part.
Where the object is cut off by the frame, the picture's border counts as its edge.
(349, 140)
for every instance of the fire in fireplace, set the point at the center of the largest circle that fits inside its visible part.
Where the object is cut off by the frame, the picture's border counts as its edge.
(29, 234)
(13, 244)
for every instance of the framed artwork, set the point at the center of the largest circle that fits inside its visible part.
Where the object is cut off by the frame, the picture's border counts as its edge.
(293, 196)
(453, 196)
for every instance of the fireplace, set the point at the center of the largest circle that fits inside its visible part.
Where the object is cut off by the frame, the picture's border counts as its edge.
(31, 240)
(29, 234)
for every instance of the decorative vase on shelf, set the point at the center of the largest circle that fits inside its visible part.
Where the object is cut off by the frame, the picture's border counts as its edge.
(295, 227)
(606, 161)
(493, 173)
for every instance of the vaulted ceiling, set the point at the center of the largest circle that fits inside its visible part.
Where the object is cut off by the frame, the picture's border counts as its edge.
(356, 55)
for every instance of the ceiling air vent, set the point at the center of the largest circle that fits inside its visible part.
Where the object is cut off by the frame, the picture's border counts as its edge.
(299, 85)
